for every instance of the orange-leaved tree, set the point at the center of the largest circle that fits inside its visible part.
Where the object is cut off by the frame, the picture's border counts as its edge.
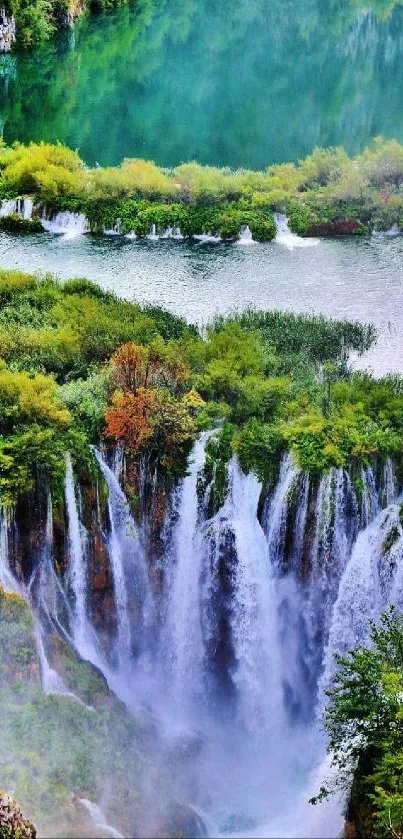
(147, 411)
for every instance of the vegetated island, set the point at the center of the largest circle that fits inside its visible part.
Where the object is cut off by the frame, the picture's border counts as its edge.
(326, 194)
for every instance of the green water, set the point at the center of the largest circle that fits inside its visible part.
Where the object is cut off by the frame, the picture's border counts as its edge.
(245, 82)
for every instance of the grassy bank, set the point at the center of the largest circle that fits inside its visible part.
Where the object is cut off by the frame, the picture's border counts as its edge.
(326, 194)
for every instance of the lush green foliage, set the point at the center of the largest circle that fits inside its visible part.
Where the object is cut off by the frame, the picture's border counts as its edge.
(38, 20)
(365, 725)
(327, 193)
(78, 363)
(56, 340)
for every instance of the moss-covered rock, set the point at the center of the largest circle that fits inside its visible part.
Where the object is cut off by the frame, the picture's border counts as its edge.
(17, 224)
(12, 823)
(18, 659)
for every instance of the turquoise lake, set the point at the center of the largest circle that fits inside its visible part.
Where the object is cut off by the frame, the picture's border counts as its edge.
(213, 82)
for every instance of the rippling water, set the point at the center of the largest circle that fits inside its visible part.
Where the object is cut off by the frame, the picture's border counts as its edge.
(345, 278)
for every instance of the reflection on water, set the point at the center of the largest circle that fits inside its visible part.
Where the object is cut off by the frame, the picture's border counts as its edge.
(226, 82)
(348, 278)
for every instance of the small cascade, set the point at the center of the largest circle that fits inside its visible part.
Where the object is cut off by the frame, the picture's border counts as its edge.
(290, 240)
(130, 575)
(69, 225)
(245, 236)
(8, 207)
(171, 233)
(99, 819)
(27, 209)
(153, 236)
(7, 578)
(21, 206)
(52, 683)
(207, 238)
(392, 233)
(177, 234)
(116, 230)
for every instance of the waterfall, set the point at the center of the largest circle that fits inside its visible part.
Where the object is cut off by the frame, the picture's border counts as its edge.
(70, 225)
(197, 609)
(7, 578)
(76, 548)
(85, 639)
(232, 652)
(52, 683)
(287, 238)
(99, 820)
(183, 644)
(276, 516)
(130, 575)
(254, 631)
(370, 500)
(177, 234)
(373, 580)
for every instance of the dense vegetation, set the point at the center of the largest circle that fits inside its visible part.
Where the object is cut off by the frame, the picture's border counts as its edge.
(38, 20)
(79, 364)
(327, 193)
(364, 722)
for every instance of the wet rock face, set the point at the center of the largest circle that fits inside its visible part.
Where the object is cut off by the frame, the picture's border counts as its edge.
(12, 823)
(7, 31)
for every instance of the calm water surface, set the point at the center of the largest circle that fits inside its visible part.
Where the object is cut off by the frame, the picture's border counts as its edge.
(349, 278)
(225, 82)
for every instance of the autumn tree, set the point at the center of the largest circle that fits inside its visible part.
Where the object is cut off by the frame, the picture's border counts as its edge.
(149, 412)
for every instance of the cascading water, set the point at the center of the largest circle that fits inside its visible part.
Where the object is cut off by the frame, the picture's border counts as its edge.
(7, 578)
(99, 819)
(229, 654)
(21, 206)
(245, 236)
(183, 643)
(70, 225)
(207, 238)
(130, 575)
(373, 580)
(287, 238)
(83, 634)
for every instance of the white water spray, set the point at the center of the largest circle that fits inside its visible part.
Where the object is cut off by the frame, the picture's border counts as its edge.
(69, 225)
(287, 238)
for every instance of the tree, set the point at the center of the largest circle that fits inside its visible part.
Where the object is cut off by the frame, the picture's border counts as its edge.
(364, 721)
